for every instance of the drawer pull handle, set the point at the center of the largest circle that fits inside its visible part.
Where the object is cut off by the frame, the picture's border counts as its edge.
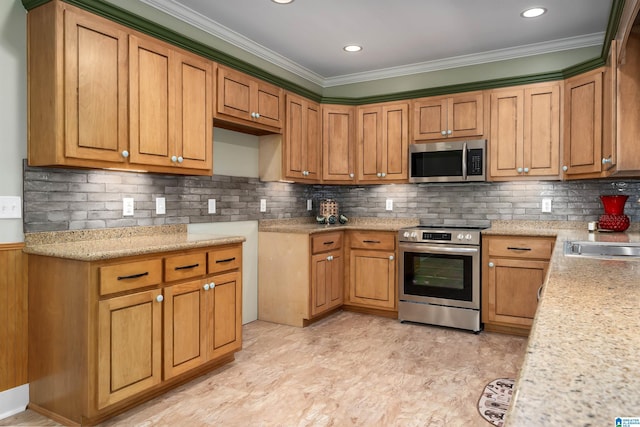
(539, 295)
(330, 242)
(133, 276)
(518, 249)
(187, 267)
(218, 261)
(371, 241)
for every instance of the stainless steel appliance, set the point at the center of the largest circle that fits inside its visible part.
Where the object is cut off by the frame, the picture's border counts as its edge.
(460, 161)
(439, 276)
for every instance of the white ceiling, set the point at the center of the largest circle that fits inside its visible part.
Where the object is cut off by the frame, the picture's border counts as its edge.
(399, 37)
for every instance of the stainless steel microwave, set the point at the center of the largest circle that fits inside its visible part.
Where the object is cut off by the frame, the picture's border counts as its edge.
(460, 161)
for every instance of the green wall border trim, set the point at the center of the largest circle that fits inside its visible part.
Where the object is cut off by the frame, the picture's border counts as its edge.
(146, 26)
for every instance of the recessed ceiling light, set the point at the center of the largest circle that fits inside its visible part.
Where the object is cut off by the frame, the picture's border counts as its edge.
(533, 12)
(282, 1)
(352, 48)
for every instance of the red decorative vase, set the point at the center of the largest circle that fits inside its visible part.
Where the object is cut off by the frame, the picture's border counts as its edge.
(614, 218)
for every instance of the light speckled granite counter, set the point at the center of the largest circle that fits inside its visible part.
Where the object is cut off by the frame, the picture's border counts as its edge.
(309, 225)
(582, 366)
(94, 245)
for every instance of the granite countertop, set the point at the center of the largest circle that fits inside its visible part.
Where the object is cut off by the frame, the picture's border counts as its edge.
(582, 363)
(310, 226)
(103, 244)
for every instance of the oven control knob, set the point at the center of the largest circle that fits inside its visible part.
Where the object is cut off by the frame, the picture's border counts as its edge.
(406, 234)
(460, 236)
(468, 237)
(414, 235)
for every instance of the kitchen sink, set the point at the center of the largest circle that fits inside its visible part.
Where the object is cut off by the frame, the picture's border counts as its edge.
(602, 249)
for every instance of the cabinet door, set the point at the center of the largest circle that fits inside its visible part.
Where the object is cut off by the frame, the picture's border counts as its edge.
(129, 346)
(542, 131)
(152, 102)
(95, 100)
(234, 94)
(583, 125)
(429, 119)
(373, 278)
(383, 142)
(512, 290)
(338, 138)
(224, 301)
(184, 327)
(267, 103)
(465, 115)
(302, 138)
(193, 113)
(327, 289)
(506, 147)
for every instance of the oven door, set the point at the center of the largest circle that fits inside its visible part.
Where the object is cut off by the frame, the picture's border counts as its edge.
(446, 275)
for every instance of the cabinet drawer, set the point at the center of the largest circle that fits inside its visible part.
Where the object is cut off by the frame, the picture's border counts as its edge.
(521, 247)
(373, 240)
(131, 275)
(185, 266)
(225, 259)
(326, 242)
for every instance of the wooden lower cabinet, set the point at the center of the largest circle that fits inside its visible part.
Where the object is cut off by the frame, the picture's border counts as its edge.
(372, 272)
(105, 336)
(300, 276)
(515, 268)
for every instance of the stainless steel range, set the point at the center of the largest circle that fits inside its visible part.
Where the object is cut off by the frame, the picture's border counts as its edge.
(439, 276)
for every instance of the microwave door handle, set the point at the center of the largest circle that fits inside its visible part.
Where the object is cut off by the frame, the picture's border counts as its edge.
(464, 161)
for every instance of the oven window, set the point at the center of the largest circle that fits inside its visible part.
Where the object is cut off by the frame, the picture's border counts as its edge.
(438, 275)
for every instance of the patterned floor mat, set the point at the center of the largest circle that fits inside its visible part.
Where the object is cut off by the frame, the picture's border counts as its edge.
(494, 402)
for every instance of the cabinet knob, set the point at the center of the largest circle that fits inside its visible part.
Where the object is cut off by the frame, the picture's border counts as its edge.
(253, 115)
(444, 132)
(351, 175)
(607, 160)
(383, 174)
(491, 264)
(526, 170)
(125, 154)
(379, 175)
(565, 168)
(212, 285)
(449, 132)
(174, 159)
(257, 115)
(180, 159)
(206, 286)
(391, 257)
(519, 170)
(159, 298)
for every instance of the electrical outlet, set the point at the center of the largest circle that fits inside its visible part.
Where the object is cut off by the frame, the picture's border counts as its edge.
(127, 206)
(309, 204)
(389, 205)
(160, 206)
(212, 206)
(10, 207)
(263, 205)
(546, 205)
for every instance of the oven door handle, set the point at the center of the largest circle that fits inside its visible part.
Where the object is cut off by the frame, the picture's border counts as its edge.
(464, 161)
(422, 248)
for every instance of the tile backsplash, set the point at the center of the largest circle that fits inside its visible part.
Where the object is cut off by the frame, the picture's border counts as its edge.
(72, 199)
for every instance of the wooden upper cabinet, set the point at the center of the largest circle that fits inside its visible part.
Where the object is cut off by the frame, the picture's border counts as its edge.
(248, 102)
(77, 88)
(102, 96)
(525, 132)
(583, 126)
(448, 117)
(383, 142)
(170, 101)
(338, 140)
(302, 139)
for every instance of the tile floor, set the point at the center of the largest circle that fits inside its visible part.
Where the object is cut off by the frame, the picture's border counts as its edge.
(347, 370)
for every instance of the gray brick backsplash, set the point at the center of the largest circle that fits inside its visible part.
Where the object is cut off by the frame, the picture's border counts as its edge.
(66, 199)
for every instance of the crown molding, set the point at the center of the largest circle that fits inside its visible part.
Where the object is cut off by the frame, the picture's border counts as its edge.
(216, 29)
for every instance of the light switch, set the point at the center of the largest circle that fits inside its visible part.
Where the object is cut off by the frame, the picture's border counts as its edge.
(212, 206)
(546, 205)
(389, 205)
(127, 206)
(309, 204)
(160, 206)
(263, 205)
(10, 207)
